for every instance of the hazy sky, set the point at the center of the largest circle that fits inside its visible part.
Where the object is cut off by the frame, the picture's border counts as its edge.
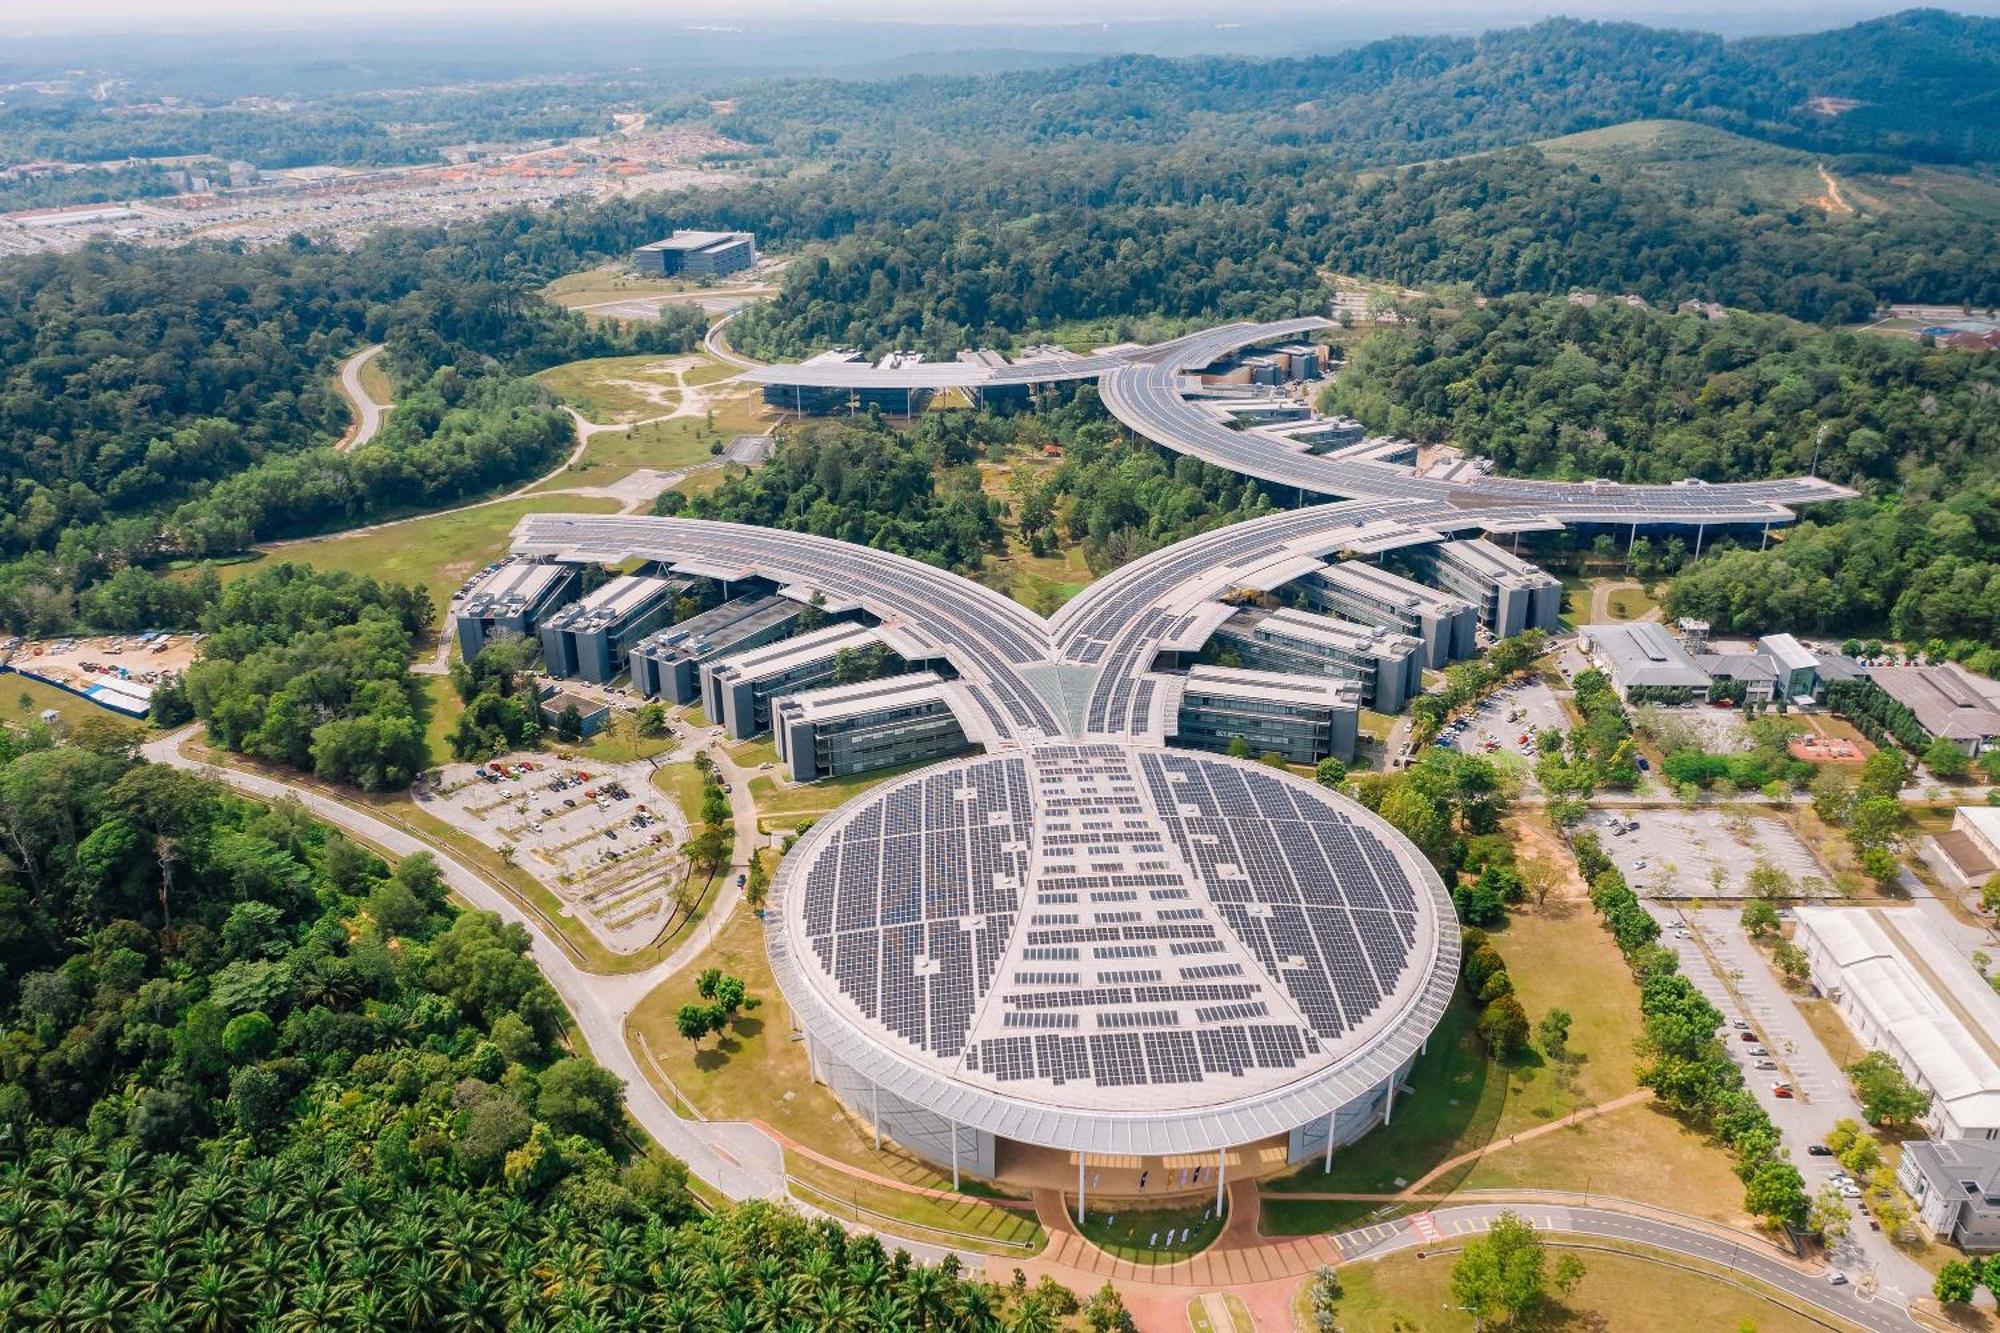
(24, 16)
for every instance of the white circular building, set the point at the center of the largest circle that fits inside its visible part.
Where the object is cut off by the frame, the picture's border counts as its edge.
(1111, 950)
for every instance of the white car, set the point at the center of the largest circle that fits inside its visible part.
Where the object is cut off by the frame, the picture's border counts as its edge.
(1836, 1278)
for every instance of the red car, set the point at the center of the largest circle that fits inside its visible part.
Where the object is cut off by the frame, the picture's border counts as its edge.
(1747, 1036)
(1783, 1090)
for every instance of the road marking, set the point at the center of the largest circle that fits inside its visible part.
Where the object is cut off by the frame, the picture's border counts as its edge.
(1425, 1227)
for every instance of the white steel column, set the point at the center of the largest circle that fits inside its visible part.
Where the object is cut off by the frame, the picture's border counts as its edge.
(954, 1156)
(1389, 1103)
(1329, 1142)
(875, 1110)
(1221, 1170)
(1079, 1189)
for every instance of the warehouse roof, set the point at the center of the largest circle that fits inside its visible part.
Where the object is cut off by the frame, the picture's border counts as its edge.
(1642, 653)
(1938, 1016)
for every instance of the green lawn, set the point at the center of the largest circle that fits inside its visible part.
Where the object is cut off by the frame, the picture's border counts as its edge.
(964, 1221)
(813, 798)
(446, 707)
(1620, 1293)
(613, 282)
(437, 552)
(681, 442)
(616, 388)
(375, 381)
(22, 700)
(1150, 1235)
(753, 754)
(1462, 1100)
(1455, 1100)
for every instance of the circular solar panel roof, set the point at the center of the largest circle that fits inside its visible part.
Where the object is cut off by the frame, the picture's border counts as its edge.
(1114, 948)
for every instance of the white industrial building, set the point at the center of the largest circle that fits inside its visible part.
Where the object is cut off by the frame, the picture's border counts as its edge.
(1641, 655)
(1907, 991)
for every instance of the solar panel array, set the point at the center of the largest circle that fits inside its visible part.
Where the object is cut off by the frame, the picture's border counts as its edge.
(1084, 914)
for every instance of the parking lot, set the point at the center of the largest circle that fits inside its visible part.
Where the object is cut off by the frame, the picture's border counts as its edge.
(1507, 715)
(1752, 999)
(1676, 853)
(600, 837)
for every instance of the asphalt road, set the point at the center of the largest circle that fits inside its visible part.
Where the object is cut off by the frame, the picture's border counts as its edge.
(368, 413)
(1453, 1225)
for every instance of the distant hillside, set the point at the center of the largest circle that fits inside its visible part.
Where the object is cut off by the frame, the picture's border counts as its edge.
(1711, 167)
(1919, 86)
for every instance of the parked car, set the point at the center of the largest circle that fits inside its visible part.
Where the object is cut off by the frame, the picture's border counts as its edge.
(1743, 1032)
(1837, 1278)
(1783, 1091)
(1819, 1150)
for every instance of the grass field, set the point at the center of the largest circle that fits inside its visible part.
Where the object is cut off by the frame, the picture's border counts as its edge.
(437, 552)
(618, 388)
(756, 1071)
(1462, 1100)
(1150, 1235)
(613, 282)
(815, 798)
(1039, 582)
(375, 381)
(1620, 1293)
(22, 700)
(965, 1221)
(680, 442)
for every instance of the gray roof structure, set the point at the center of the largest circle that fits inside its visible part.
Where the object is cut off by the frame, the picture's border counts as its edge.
(1147, 389)
(1642, 653)
(1948, 701)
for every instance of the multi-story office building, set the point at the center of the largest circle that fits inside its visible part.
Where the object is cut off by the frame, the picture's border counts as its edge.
(592, 638)
(737, 690)
(1371, 595)
(697, 254)
(512, 599)
(668, 665)
(1304, 719)
(1510, 594)
(1388, 666)
(872, 724)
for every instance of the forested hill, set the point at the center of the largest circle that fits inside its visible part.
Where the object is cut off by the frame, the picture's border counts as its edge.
(1925, 83)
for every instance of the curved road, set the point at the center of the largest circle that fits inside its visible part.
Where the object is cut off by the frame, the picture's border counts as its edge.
(367, 412)
(716, 345)
(734, 1157)
(1455, 1223)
